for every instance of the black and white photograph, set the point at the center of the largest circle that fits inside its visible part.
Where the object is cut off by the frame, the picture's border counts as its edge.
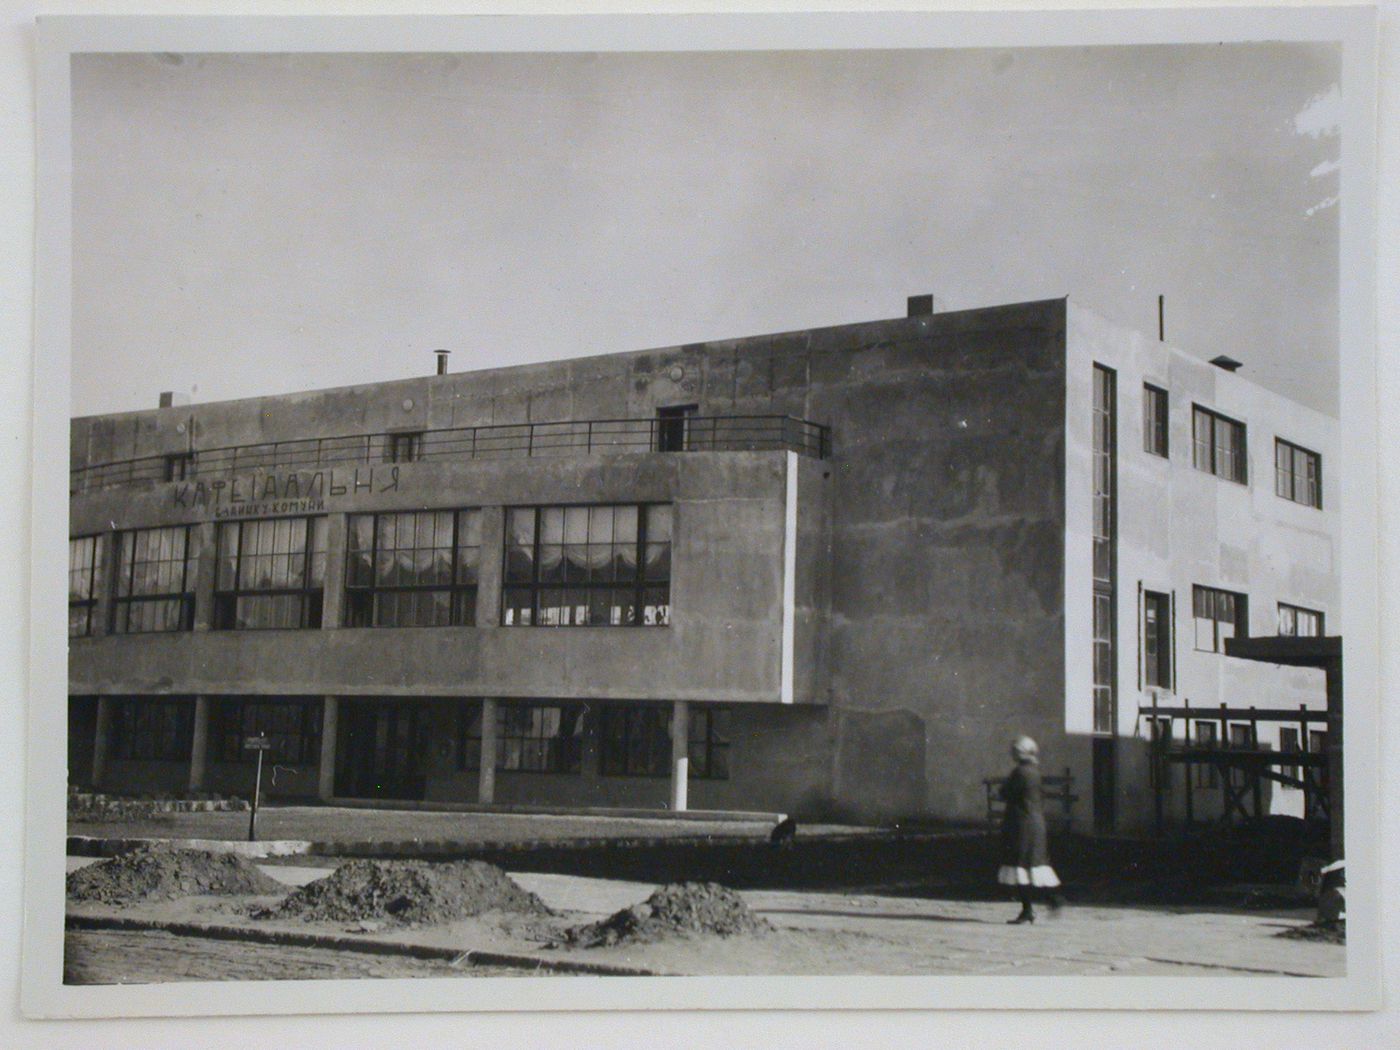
(553, 510)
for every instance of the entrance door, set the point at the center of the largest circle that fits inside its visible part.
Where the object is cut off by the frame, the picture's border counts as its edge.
(671, 427)
(384, 748)
(1105, 783)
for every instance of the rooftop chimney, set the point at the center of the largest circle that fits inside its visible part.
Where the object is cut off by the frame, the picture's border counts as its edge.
(169, 399)
(922, 305)
(1227, 363)
(442, 361)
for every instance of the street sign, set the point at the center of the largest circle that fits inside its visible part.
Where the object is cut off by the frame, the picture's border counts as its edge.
(257, 743)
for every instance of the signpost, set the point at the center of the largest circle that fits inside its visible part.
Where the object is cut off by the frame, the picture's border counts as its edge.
(258, 744)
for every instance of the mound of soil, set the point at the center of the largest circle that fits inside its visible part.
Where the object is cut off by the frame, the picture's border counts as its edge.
(679, 909)
(162, 872)
(1326, 932)
(408, 892)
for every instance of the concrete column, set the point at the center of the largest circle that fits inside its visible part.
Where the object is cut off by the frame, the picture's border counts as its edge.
(199, 744)
(99, 744)
(330, 711)
(104, 584)
(333, 597)
(680, 755)
(490, 566)
(205, 538)
(486, 781)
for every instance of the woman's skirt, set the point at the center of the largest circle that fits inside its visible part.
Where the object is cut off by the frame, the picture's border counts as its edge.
(1040, 875)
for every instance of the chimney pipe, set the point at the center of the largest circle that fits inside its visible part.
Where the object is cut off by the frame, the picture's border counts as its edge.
(442, 361)
(922, 305)
(1161, 318)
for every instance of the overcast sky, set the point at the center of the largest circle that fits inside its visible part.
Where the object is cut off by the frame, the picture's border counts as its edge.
(258, 224)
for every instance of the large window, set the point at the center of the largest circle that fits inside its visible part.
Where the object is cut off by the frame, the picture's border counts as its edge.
(154, 581)
(152, 730)
(636, 741)
(607, 566)
(1154, 419)
(530, 738)
(293, 727)
(1297, 622)
(1157, 639)
(412, 570)
(271, 573)
(1297, 473)
(1105, 510)
(84, 566)
(1218, 445)
(1219, 615)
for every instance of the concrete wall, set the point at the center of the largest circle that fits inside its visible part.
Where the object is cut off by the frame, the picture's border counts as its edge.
(1179, 526)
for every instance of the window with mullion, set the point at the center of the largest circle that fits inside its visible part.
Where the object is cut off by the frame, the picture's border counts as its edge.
(84, 565)
(635, 741)
(1219, 616)
(154, 586)
(292, 727)
(1297, 474)
(152, 730)
(1218, 445)
(587, 566)
(271, 574)
(412, 569)
(1296, 621)
(530, 738)
(1154, 420)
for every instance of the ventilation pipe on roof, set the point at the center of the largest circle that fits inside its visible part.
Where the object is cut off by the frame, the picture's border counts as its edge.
(442, 356)
(922, 305)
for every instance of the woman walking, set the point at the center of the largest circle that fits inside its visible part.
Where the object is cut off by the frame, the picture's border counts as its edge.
(1025, 861)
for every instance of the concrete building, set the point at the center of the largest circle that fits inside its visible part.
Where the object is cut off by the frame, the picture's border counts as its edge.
(823, 572)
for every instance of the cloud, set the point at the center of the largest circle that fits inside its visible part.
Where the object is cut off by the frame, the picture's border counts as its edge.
(1322, 115)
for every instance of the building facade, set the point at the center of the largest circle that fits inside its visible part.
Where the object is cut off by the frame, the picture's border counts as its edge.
(828, 572)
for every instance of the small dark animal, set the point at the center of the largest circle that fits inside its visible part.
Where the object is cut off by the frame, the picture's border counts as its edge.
(783, 832)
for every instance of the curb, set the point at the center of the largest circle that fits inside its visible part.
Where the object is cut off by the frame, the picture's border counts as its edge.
(332, 942)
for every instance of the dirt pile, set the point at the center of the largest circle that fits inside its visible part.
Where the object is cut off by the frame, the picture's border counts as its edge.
(408, 892)
(1324, 932)
(162, 872)
(676, 910)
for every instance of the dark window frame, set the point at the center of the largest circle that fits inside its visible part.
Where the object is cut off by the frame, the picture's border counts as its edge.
(179, 466)
(1290, 742)
(404, 446)
(1288, 480)
(1157, 645)
(1295, 610)
(124, 605)
(1206, 455)
(361, 601)
(87, 605)
(536, 753)
(673, 427)
(1156, 415)
(634, 740)
(310, 594)
(152, 730)
(521, 598)
(1205, 735)
(230, 723)
(1205, 605)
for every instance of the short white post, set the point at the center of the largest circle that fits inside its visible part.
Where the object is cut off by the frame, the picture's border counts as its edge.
(330, 720)
(199, 743)
(486, 779)
(680, 755)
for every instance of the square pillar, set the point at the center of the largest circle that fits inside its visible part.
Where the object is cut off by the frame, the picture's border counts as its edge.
(204, 536)
(101, 735)
(333, 589)
(330, 720)
(680, 755)
(490, 567)
(486, 780)
(199, 743)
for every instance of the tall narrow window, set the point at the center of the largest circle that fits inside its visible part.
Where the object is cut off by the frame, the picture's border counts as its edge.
(1218, 445)
(417, 569)
(606, 566)
(1297, 473)
(403, 447)
(1297, 622)
(672, 427)
(1154, 419)
(1157, 639)
(84, 567)
(1220, 615)
(1206, 774)
(154, 581)
(271, 574)
(1104, 557)
(1289, 742)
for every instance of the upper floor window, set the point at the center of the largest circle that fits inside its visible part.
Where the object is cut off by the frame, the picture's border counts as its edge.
(1295, 621)
(154, 587)
(530, 738)
(1218, 445)
(607, 566)
(1297, 473)
(292, 727)
(1154, 419)
(84, 567)
(673, 427)
(1157, 639)
(416, 569)
(271, 573)
(1219, 615)
(179, 466)
(403, 447)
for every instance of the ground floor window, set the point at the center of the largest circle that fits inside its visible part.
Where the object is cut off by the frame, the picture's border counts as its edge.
(1206, 774)
(530, 738)
(1289, 743)
(636, 741)
(152, 730)
(293, 728)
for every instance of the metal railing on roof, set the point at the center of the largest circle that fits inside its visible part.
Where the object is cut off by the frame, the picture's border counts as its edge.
(498, 441)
